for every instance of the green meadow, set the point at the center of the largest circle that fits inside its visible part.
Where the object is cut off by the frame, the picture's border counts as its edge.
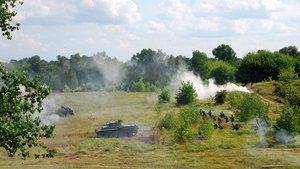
(78, 147)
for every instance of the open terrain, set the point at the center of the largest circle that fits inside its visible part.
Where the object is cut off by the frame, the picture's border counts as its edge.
(78, 147)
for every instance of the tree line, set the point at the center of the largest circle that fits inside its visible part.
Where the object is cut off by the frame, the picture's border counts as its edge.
(150, 70)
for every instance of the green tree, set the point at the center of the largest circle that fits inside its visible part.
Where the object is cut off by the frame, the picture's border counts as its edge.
(187, 94)
(199, 61)
(261, 65)
(291, 51)
(225, 53)
(151, 65)
(221, 71)
(20, 99)
(7, 14)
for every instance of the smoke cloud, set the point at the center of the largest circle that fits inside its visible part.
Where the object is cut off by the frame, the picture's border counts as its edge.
(50, 105)
(262, 129)
(111, 69)
(283, 137)
(204, 91)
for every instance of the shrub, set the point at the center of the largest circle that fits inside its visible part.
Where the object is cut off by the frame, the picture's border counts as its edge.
(205, 129)
(220, 97)
(142, 86)
(168, 122)
(186, 127)
(165, 96)
(248, 107)
(138, 86)
(187, 94)
(289, 120)
(286, 87)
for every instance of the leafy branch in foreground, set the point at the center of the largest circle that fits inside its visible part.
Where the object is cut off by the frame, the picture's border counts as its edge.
(21, 128)
(6, 16)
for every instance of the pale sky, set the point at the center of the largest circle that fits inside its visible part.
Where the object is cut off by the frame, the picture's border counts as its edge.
(122, 28)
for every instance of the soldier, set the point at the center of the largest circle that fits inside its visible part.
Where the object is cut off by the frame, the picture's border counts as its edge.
(235, 126)
(226, 119)
(209, 113)
(231, 118)
(216, 126)
(222, 115)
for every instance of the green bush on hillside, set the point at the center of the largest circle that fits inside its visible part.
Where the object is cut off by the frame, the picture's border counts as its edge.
(168, 122)
(220, 97)
(289, 120)
(187, 94)
(249, 106)
(165, 96)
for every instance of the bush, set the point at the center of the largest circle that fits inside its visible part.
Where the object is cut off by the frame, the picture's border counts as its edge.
(138, 86)
(205, 129)
(168, 122)
(248, 107)
(186, 127)
(165, 96)
(220, 97)
(187, 94)
(289, 120)
(286, 87)
(141, 86)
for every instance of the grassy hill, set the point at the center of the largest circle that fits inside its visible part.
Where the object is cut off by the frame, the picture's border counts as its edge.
(78, 147)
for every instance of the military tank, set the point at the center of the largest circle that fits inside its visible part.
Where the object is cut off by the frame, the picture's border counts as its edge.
(64, 111)
(116, 129)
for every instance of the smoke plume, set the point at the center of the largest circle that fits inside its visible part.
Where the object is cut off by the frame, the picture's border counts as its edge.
(204, 91)
(111, 69)
(51, 104)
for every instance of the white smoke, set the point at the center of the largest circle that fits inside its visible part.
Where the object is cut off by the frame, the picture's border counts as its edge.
(51, 104)
(283, 137)
(110, 69)
(262, 128)
(204, 91)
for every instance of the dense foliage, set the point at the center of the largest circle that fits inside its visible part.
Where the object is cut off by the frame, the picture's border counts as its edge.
(262, 65)
(6, 17)
(149, 70)
(20, 101)
(186, 125)
(248, 107)
(221, 72)
(287, 87)
(165, 96)
(199, 64)
(220, 97)
(225, 53)
(186, 94)
(289, 120)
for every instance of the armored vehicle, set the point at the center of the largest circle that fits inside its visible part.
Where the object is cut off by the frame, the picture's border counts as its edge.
(64, 111)
(116, 129)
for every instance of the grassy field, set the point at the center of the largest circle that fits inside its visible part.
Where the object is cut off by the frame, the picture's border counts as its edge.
(77, 146)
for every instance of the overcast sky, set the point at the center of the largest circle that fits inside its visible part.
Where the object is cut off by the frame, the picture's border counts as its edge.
(122, 28)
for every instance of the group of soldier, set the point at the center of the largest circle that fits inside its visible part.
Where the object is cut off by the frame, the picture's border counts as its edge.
(218, 121)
